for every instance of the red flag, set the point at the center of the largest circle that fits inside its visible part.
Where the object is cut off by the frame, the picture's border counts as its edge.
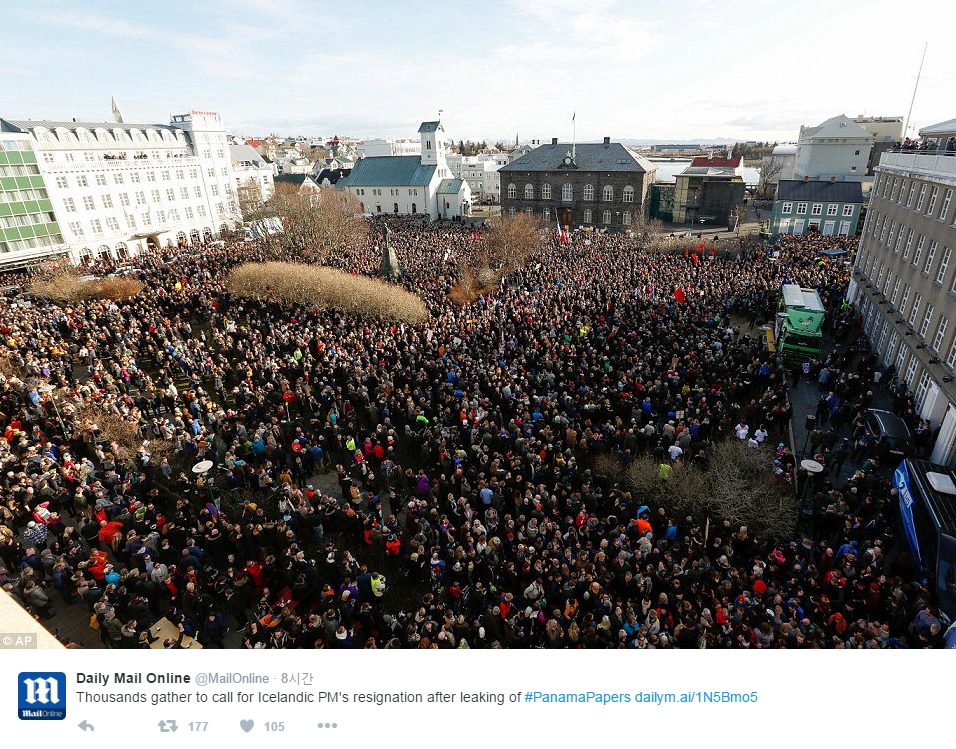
(476, 235)
(679, 295)
(695, 259)
(701, 247)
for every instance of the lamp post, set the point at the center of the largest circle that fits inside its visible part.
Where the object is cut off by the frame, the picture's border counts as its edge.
(201, 469)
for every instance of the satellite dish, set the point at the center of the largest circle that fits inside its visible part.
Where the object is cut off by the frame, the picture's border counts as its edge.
(202, 466)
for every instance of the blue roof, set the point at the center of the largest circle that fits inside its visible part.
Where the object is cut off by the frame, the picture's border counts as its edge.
(449, 186)
(382, 171)
(429, 127)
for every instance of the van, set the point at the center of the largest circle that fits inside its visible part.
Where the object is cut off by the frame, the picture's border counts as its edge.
(890, 431)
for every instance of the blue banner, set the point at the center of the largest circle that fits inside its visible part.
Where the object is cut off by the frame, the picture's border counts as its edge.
(901, 480)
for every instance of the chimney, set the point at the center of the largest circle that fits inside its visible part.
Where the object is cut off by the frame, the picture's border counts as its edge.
(607, 140)
(554, 141)
(833, 179)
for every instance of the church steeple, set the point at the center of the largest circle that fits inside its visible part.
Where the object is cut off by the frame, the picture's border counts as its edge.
(433, 150)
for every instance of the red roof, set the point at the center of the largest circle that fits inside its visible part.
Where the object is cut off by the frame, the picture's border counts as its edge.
(254, 143)
(716, 161)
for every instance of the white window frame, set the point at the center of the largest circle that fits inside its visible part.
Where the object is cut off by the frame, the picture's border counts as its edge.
(944, 264)
(940, 334)
(588, 216)
(546, 191)
(801, 208)
(512, 191)
(606, 218)
(832, 209)
(927, 320)
(786, 208)
(627, 195)
(947, 198)
(567, 192)
(529, 191)
(848, 210)
(607, 194)
(588, 192)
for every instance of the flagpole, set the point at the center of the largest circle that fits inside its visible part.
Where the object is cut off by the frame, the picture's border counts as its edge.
(574, 133)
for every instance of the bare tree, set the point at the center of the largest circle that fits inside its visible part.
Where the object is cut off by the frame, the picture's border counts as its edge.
(306, 224)
(770, 171)
(738, 485)
(508, 245)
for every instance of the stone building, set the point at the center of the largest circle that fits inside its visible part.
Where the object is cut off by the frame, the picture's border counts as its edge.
(603, 185)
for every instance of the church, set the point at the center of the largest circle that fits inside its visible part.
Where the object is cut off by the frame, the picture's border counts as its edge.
(408, 185)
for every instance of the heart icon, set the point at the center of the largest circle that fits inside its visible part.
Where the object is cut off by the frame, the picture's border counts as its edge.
(246, 725)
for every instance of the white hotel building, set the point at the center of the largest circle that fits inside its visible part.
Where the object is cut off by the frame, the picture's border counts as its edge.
(115, 188)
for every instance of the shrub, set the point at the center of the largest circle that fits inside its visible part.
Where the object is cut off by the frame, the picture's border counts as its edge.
(67, 286)
(320, 286)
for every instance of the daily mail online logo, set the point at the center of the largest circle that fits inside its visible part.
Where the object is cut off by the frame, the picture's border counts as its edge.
(41, 695)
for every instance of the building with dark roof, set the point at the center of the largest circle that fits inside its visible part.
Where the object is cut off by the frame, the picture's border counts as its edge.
(406, 185)
(709, 191)
(828, 207)
(603, 185)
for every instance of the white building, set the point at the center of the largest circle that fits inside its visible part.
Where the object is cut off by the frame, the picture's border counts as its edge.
(384, 147)
(837, 148)
(480, 172)
(117, 188)
(252, 172)
(403, 185)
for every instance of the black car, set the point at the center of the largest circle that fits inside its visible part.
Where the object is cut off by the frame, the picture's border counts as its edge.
(891, 432)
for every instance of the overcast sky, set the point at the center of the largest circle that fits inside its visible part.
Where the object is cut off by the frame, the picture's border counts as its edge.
(677, 69)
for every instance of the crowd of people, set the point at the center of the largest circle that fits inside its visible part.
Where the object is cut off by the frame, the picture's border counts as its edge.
(460, 507)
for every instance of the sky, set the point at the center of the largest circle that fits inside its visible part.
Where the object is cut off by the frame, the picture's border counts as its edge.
(690, 70)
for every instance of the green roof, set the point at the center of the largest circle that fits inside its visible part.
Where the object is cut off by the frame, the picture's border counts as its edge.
(383, 171)
(449, 187)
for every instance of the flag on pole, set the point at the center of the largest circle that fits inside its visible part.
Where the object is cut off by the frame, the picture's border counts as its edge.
(117, 115)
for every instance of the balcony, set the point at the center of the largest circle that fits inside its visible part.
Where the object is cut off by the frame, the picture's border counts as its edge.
(929, 163)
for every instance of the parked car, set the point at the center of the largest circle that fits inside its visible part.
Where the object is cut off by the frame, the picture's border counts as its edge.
(891, 431)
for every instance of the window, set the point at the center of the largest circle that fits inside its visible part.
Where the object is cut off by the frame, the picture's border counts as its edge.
(101, 179)
(546, 214)
(587, 215)
(202, 210)
(627, 218)
(69, 205)
(848, 210)
(927, 319)
(922, 197)
(147, 221)
(180, 174)
(62, 182)
(184, 193)
(940, 334)
(943, 265)
(918, 255)
(77, 228)
(97, 226)
(899, 241)
(88, 203)
(909, 244)
(786, 208)
(112, 223)
(512, 191)
(197, 191)
(897, 184)
(150, 176)
(154, 194)
(917, 300)
(193, 174)
(134, 177)
(947, 197)
(930, 257)
(528, 192)
(171, 194)
(844, 228)
(906, 297)
(606, 217)
(107, 201)
(161, 217)
(589, 192)
(627, 196)
(214, 189)
(832, 209)
(81, 181)
(932, 200)
(529, 211)
(801, 208)
(567, 192)
(817, 209)
(164, 175)
(118, 178)
(140, 198)
(607, 195)
(546, 191)
(511, 213)
(951, 359)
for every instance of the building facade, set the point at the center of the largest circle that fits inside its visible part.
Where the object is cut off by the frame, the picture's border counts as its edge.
(255, 177)
(386, 147)
(709, 191)
(837, 148)
(830, 208)
(28, 226)
(887, 133)
(603, 185)
(118, 188)
(407, 185)
(904, 281)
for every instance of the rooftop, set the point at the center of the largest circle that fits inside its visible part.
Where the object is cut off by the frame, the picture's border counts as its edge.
(589, 157)
(820, 191)
(378, 171)
(718, 161)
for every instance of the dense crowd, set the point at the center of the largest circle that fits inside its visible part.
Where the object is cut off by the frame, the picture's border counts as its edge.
(467, 511)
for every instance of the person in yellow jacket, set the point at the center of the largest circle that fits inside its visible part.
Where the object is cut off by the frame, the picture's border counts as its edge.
(378, 585)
